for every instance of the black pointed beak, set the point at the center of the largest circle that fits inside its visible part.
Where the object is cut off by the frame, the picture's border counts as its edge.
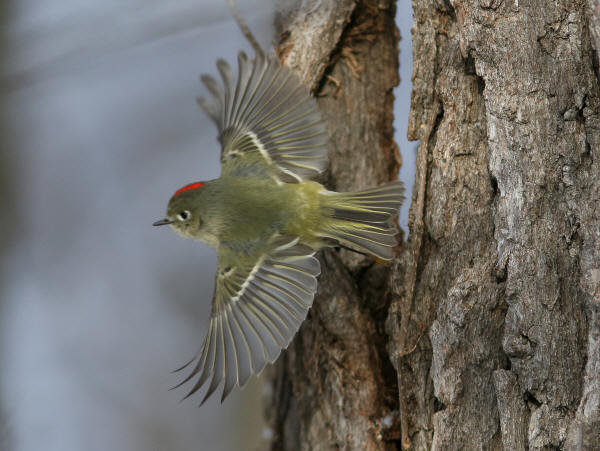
(162, 222)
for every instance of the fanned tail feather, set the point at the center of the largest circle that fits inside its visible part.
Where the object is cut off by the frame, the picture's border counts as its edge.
(365, 219)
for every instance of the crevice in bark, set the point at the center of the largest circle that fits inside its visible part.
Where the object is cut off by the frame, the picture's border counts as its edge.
(480, 85)
(438, 405)
(469, 64)
(364, 24)
(531, 400)
(494, 183)
(596, 63)
(281, 397)
(444, 6)
(432, 137)
(370, 280)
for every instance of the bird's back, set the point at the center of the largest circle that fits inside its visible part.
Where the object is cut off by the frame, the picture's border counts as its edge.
(254, 208)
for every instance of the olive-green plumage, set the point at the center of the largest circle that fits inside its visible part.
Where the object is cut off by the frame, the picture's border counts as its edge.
(242, 213)
(266, 218)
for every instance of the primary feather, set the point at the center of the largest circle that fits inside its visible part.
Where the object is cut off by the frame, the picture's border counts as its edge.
(258, 307)
(267, 112)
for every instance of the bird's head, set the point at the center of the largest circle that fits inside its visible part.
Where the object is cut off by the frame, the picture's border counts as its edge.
(184, 212)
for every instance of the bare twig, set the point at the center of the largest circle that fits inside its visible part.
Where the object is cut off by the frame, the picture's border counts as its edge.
(239, 18)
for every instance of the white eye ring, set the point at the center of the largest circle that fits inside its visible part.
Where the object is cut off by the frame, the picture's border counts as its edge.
(184, 215)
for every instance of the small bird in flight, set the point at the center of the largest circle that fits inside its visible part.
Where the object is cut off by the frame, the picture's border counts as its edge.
(266, 218)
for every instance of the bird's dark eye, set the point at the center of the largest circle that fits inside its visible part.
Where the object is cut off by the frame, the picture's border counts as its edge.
(184, 215)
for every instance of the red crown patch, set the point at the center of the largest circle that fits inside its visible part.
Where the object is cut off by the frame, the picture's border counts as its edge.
(189, 187)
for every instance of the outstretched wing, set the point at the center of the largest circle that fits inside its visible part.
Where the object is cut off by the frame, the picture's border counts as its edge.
(258, 306)
(267, 116)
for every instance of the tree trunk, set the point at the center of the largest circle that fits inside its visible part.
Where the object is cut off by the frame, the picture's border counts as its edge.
(490, 315)
(335, 383)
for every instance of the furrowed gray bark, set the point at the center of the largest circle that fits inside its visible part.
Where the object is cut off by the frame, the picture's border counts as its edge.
(491, 317)
(504, 243)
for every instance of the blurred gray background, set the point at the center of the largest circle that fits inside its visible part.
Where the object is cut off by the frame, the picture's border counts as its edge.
(99, 127)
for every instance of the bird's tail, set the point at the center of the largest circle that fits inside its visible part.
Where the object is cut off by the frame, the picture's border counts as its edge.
(365, 219)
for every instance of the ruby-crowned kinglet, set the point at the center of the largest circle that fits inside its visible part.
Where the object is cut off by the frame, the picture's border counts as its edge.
(266, 219)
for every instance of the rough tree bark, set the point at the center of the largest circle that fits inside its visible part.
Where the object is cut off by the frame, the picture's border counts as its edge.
(334, 383)
(490, 315)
